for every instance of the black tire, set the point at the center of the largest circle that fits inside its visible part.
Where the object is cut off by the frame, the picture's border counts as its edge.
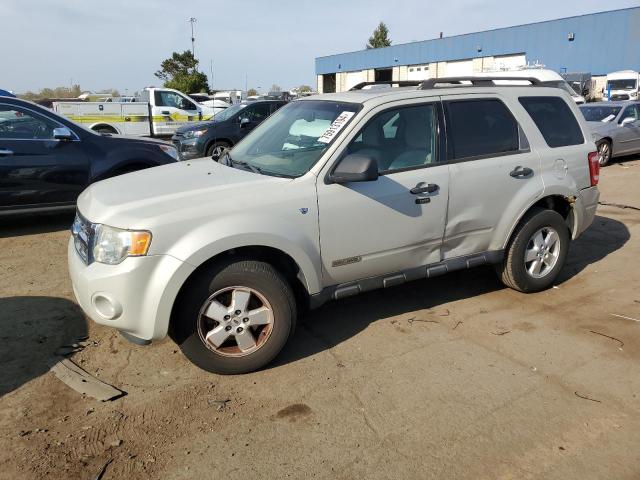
(211, 149)
(108, 130)
(259, 276)
(604, 152)
(513, 272)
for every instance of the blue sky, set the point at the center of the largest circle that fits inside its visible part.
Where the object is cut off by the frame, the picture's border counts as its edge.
(120, 44)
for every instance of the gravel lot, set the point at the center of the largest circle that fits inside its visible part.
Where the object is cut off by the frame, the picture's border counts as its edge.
(456, 377)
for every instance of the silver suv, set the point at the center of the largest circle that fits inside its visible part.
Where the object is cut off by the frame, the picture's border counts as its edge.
(335, 195)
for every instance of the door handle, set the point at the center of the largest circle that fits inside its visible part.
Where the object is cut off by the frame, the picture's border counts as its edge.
(166, 112)
(521, 172)
(5, 153)
(422, 187)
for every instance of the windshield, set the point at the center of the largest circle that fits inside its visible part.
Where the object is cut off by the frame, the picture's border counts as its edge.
(294, 138)
(599, 113)
(561, 84)
(227, 113)
(622, 84)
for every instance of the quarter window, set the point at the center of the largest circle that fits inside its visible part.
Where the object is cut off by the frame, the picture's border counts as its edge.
(478, 128)
(554, 119)
(19, 124)
(400, 138)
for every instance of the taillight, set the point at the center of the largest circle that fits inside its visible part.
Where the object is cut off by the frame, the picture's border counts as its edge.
(594, 168)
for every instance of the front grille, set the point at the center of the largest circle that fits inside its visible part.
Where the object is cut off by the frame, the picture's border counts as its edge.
(83, 233)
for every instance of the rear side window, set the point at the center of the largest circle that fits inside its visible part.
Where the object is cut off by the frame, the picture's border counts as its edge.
(480, 128)
(554, 119)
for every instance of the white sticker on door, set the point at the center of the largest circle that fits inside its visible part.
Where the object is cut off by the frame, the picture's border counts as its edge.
(335, 127)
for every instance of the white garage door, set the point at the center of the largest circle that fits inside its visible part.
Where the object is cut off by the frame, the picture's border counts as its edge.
(354, 78)
(459, 68)
(509, 62)
(418, 72)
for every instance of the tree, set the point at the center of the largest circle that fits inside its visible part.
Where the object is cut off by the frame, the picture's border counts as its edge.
(275, 88)
(252, 92)
(304, 89)
(181, 73)
(57, 92)
(380, 37)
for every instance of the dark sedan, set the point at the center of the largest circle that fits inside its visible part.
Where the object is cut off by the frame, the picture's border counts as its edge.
(228, 127)
(47, 160)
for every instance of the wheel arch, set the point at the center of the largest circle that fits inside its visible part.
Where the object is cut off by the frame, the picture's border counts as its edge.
(556, 202)
(284, 263)
(216, 139)
(96, 126)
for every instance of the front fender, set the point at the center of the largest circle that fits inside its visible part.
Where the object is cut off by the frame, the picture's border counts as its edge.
(297, 238)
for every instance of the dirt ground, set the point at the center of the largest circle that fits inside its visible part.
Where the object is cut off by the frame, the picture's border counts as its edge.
(455, 377)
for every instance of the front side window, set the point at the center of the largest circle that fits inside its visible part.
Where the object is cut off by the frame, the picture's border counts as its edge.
(20, 124)
(172, 99)
(294, 138)
(479, 128)
(554, 119)
(630, 112)
(257, 112)
(400, 138)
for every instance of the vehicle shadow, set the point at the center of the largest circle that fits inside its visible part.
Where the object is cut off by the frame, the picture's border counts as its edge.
(33, 224)
(33, 329)
(335, 322)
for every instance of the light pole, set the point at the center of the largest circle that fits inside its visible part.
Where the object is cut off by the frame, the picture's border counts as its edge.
(193, 20)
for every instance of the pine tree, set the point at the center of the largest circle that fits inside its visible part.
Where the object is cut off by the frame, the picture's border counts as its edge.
(380, 37)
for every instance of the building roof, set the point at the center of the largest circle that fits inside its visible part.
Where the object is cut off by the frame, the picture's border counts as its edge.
(597, 46)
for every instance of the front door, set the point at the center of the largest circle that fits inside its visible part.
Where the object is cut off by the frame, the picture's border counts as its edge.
(36, 169)
(171, 111)
(628, 137)
(378, 227)
(252, 116)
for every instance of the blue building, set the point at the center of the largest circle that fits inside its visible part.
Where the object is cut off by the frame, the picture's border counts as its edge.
(596, 43)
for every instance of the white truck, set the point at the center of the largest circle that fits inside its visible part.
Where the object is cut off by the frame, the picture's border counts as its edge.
(623, 85)
(158, 112)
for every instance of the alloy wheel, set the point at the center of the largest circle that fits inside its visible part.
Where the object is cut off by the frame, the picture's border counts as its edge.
(542, 252)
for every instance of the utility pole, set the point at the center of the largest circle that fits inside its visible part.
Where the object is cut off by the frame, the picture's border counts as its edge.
(193, 20)
(212, 73)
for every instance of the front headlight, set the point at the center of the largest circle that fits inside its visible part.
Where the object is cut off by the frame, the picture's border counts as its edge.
(169, 150)
(195, 133)
(113, 245)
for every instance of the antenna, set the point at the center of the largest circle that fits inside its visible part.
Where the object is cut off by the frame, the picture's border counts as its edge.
(193, 20)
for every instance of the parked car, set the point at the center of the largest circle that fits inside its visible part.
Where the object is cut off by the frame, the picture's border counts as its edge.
(46, 160)
(210, 139)
(615, 127)
(335, 195)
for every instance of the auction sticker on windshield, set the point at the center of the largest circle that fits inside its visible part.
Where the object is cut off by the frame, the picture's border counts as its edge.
(337, 125)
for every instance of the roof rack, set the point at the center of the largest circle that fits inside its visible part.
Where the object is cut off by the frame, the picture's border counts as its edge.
(399, 83)
(487, 81)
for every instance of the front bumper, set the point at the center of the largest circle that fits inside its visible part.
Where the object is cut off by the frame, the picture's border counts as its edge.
(135, 297)
(188, 148)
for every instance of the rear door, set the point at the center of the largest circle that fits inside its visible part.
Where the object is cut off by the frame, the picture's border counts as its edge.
(172, 110)
(35, 169)
(493, 171)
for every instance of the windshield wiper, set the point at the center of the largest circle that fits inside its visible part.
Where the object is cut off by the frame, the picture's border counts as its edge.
(244, 165)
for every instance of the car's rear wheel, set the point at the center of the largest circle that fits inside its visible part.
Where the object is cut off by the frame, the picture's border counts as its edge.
(216, 150)
(235, 318)
(604, 152)
(536, 252)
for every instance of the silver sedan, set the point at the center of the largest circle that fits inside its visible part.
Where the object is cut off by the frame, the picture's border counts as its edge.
(615, 127)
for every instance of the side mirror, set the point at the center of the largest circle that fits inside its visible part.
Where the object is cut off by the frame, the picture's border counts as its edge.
(627, 121)
(355, 168)
(244, 121)
(62, 134)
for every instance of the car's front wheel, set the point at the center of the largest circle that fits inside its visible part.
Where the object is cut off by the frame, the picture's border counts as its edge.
(536, 252)
(235, 318)
(604, 152)
(216, 150)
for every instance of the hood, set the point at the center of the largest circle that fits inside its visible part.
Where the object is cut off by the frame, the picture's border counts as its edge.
(133, 140)
(195, 126)
(148, 197)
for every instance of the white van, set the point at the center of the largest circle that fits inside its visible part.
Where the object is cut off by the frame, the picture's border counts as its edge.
(622, 85)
